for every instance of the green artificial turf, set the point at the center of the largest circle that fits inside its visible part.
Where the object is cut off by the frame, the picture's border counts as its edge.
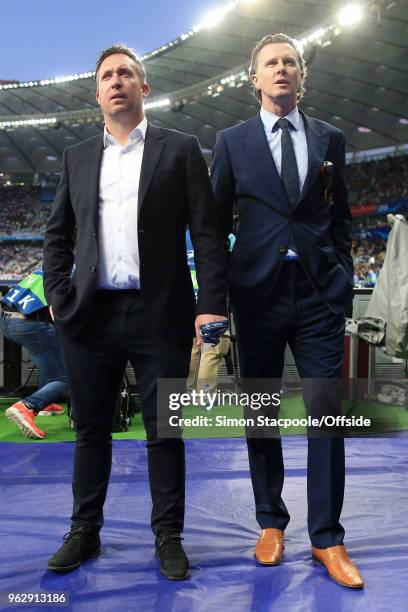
(57, 428)
(387, 418)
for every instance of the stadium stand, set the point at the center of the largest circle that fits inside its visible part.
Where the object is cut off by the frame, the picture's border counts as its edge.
(375, 188)
(378, 181)
(17, 259)
(19, 208)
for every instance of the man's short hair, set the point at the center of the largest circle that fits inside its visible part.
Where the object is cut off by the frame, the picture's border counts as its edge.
(273, 39)
(125, 50)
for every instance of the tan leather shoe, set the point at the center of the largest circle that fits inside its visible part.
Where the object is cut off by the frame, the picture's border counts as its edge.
(339, 565)
(269, 548)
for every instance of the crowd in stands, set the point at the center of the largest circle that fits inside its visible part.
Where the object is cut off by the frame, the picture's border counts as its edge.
(368, 258)
(373, 182)
(18, 260)
(21, 210)
(361, 224)
(368, 248)
(379, 181)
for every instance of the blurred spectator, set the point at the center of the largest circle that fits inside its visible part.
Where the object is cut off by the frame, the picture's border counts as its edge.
(25, 319)
(378, 181)
(205, 365)
(22, 210)
(17, 260)
(365, 223)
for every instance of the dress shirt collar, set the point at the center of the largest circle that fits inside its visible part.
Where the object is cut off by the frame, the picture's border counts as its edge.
(269, 119)
(139, 132)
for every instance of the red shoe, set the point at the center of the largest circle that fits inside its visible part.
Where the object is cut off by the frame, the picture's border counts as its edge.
(51, 410)
(21, 416)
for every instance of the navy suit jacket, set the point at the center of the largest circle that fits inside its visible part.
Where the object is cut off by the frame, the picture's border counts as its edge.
(245, 180)
(174, 191)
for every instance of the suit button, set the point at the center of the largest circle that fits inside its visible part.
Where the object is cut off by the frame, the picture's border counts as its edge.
(282, 248)
(93, 236)
(92, 268)
(141, 231)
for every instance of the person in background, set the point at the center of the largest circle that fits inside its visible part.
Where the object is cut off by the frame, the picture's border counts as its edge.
(205, 361)
(25, 319)
(205, 364)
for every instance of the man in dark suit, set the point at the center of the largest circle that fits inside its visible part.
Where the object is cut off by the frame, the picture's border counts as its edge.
(291, 277)
(117, 278)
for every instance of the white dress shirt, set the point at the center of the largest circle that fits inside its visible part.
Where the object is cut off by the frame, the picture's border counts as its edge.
(118, 248)
(298, 136)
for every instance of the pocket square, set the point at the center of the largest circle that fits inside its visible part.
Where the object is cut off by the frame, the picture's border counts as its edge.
(327, 170)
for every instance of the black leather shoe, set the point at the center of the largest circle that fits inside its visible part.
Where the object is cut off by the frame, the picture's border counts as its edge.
(173, 560)
(80, 544)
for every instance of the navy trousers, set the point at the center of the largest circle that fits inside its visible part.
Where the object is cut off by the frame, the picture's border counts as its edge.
(295, 315)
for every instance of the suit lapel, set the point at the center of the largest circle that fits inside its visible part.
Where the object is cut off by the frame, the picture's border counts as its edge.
(257, 149)
(93, 165)
(153, 148)
(317, 144)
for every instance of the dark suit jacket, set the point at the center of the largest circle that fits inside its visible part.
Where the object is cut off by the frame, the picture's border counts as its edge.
(174, 191)
(245, 178)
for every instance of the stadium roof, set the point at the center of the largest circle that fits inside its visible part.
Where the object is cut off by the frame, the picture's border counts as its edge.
(357, 80)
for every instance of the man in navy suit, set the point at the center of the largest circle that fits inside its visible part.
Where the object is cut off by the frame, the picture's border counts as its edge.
(291, 277)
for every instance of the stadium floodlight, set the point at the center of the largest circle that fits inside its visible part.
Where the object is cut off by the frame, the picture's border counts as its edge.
(63, 79)
(28, 122)
(157, 104)
(214, 18)
(350, 15)
(315, 36)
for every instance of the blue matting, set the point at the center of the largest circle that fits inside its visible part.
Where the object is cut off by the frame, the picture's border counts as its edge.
(220, 533)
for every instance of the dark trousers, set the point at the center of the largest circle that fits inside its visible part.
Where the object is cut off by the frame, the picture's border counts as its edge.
(118, 332)
(295, 315)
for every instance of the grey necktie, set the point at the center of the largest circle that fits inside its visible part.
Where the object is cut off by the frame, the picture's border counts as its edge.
(289, 169)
